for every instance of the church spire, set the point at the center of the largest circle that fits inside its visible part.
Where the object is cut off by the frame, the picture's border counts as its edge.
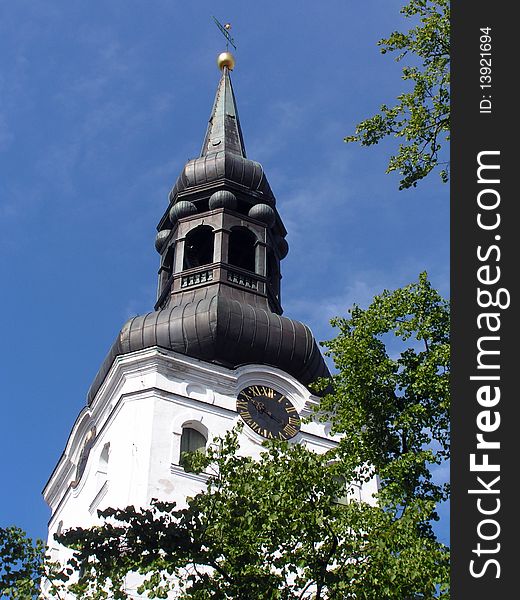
(224, 132)
(221, 242)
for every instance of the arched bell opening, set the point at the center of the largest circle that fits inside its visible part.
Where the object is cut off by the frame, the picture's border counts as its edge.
(242, 249)
(273, 273)
(198, 247)
(166, 269)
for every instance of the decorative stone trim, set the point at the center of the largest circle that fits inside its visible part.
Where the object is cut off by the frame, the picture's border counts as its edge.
(244, 280)
(196, 278)
(179, 471)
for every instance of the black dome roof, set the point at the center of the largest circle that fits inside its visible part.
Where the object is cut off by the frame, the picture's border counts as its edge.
(220, 324)
(224, 331)
(224, 166)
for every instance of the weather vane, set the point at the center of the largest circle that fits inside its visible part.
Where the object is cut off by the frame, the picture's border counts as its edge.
(225, 32)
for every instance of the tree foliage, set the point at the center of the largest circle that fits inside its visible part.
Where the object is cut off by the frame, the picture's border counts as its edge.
(287, 526)
(24, 565)
(267, 529)
(391, 396)
(421, 117)
(21, 564)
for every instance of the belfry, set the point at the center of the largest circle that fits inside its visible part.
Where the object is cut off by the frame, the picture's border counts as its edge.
(215, 349)
(221, 242)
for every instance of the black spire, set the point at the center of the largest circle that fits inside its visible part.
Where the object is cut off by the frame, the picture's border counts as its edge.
(224, 132)
(221, 241)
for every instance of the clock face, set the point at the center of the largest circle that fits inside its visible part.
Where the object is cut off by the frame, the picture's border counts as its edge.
(268, 412)
(90, 438)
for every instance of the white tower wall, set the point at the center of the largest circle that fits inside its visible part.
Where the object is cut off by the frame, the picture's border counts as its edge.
(138, 415)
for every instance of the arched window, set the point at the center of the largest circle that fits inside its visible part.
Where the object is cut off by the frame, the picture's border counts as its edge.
(191, 441)
(102, 470)
(168, 260)
(198, 247)
(103, 459)
(342, 497)
(273, 273)
(241, 251)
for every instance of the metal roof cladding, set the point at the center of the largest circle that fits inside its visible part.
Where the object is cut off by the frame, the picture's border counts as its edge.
(216, 324)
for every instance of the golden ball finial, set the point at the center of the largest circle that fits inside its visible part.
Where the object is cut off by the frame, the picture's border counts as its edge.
(226, 59)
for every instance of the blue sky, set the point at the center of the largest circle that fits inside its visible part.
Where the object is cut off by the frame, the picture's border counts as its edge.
(101, 104)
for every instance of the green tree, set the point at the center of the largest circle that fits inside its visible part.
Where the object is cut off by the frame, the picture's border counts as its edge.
(268, 529)
(421, 117)
(391, 395)
(21, 563)
(24, 565)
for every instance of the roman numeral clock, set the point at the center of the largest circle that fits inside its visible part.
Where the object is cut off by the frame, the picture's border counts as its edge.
(268, 412)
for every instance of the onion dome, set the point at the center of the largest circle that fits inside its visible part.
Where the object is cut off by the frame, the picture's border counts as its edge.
(182, 209)
(263, 213)
(161, 238)
(223, 199)
(225, 331)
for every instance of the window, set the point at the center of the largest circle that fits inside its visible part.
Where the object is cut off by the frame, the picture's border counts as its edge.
(198, 247)
(343, 497)
(167, 264)
(273, 273)
(191, 441)
(102, 470)
(242, 248)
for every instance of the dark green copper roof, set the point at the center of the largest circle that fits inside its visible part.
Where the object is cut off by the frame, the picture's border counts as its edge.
(224, 331)
(223, 155)
(216, 326)
(224, 132)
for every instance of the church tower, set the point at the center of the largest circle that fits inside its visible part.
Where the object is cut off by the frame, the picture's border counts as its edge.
(214, 351)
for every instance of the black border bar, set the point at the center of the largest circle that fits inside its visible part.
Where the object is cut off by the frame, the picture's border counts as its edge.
(484, 291)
